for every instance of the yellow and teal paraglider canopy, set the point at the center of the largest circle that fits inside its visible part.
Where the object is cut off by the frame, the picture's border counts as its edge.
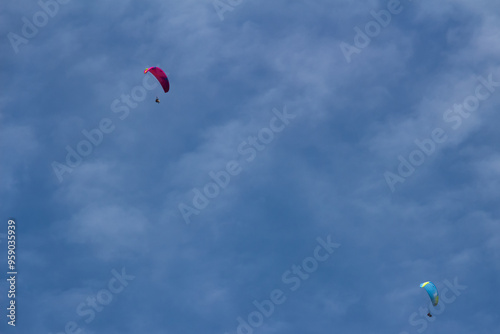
(432, 291)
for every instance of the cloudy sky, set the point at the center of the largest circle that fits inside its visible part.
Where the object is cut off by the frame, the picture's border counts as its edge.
(312, 164)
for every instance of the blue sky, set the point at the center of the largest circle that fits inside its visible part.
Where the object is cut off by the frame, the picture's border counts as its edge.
(283, 185)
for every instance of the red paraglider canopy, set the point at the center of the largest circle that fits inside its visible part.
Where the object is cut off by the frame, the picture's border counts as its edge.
(160, 76)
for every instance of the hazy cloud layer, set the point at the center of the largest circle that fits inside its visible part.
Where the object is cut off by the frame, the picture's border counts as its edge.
(274, 137)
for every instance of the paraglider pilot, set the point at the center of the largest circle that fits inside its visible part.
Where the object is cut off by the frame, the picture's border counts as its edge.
(157, 100)
(429, 315)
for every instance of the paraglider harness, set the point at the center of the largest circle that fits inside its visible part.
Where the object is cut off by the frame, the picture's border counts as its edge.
(157, 100)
